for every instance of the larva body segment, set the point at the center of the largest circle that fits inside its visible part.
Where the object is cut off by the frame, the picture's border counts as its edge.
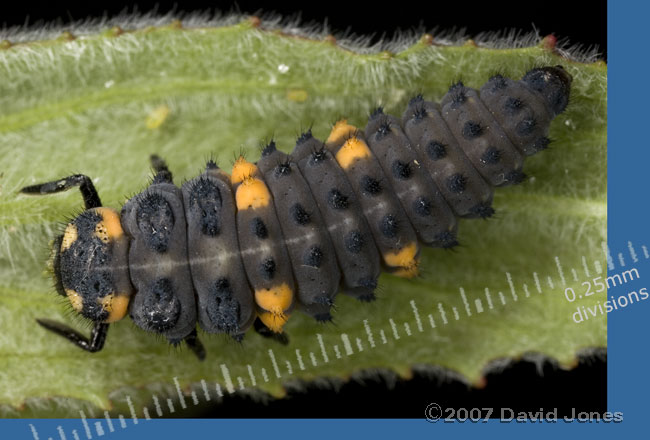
(520, 111)
(392, 232)
(224, 300)
(428, 212)
(466, 192)
(154, 221)
(348, 229)
(291, 230)
(310, 249)
(262, 246)
(480, 137)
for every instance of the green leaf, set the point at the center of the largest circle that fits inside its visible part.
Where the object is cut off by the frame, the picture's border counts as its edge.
(97, 105)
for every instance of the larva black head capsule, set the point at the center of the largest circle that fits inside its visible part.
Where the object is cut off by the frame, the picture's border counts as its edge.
(89, 262)
(554, 83)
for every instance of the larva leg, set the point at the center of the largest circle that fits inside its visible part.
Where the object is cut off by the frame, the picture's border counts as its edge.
(88, 191)
(263, 330)
(92, 344)
(195, 344)
(160, 168)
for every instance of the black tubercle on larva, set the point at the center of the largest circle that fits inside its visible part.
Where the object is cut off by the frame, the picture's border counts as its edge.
(513, 105)
(526, 126)
(472, 130)
(155, 219)
(436, 150)
(160, 307)
(205, 197)
(482, 210)
(370, 185)
(541, 143)
(422, 206)
(259, 228)
(283, 169)
(337, 200)
(491, 156)
(458, 93)
(383, 130)
(319, 155)
(314, 257)
(515, 177)
(267, 268)
(497, 82)
(304, 137)
(269, 148)
(299, 215)
(223, 311)
(456, 183)
(419, 113)
(447, 240)
(354, 242)
(377, 112)
(416, 99)
(211, 165)
(401, 170)
(389, 225)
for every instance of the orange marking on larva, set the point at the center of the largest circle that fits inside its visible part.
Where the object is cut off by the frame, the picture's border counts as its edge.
(352, 150)
(241, 170)
(116, 305)
(252, 194)
(273, 321)
(75, 300)
(405, 260)
(110, 228)
(276, 300)
(69, 236)
(340, 132)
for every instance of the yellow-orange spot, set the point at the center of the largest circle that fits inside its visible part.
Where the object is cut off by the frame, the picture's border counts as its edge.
(66, 36)
(252, 193)
(272, 321)
(5, 44)
(340, 132)
(241, 170)
(353, 149)
(116, 305)
(75, 299)
(427, 39)
(115, 31)
(297, 95)
(405, 261)
(331, 39)
(276, 300)
(69, 236)
(110, 228)
(549, 42)
(157, 116)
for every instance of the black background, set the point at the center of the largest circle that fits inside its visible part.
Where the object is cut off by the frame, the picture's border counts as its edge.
(520, 386)
(578, 21)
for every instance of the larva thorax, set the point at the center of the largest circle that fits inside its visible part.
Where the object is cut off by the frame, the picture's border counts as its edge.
(290, 231)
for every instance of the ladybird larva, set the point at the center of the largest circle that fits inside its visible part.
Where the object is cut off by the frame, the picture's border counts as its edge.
(290, 231)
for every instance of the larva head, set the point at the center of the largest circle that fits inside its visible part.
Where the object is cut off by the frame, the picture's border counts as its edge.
(89, 262)
(554, 83)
